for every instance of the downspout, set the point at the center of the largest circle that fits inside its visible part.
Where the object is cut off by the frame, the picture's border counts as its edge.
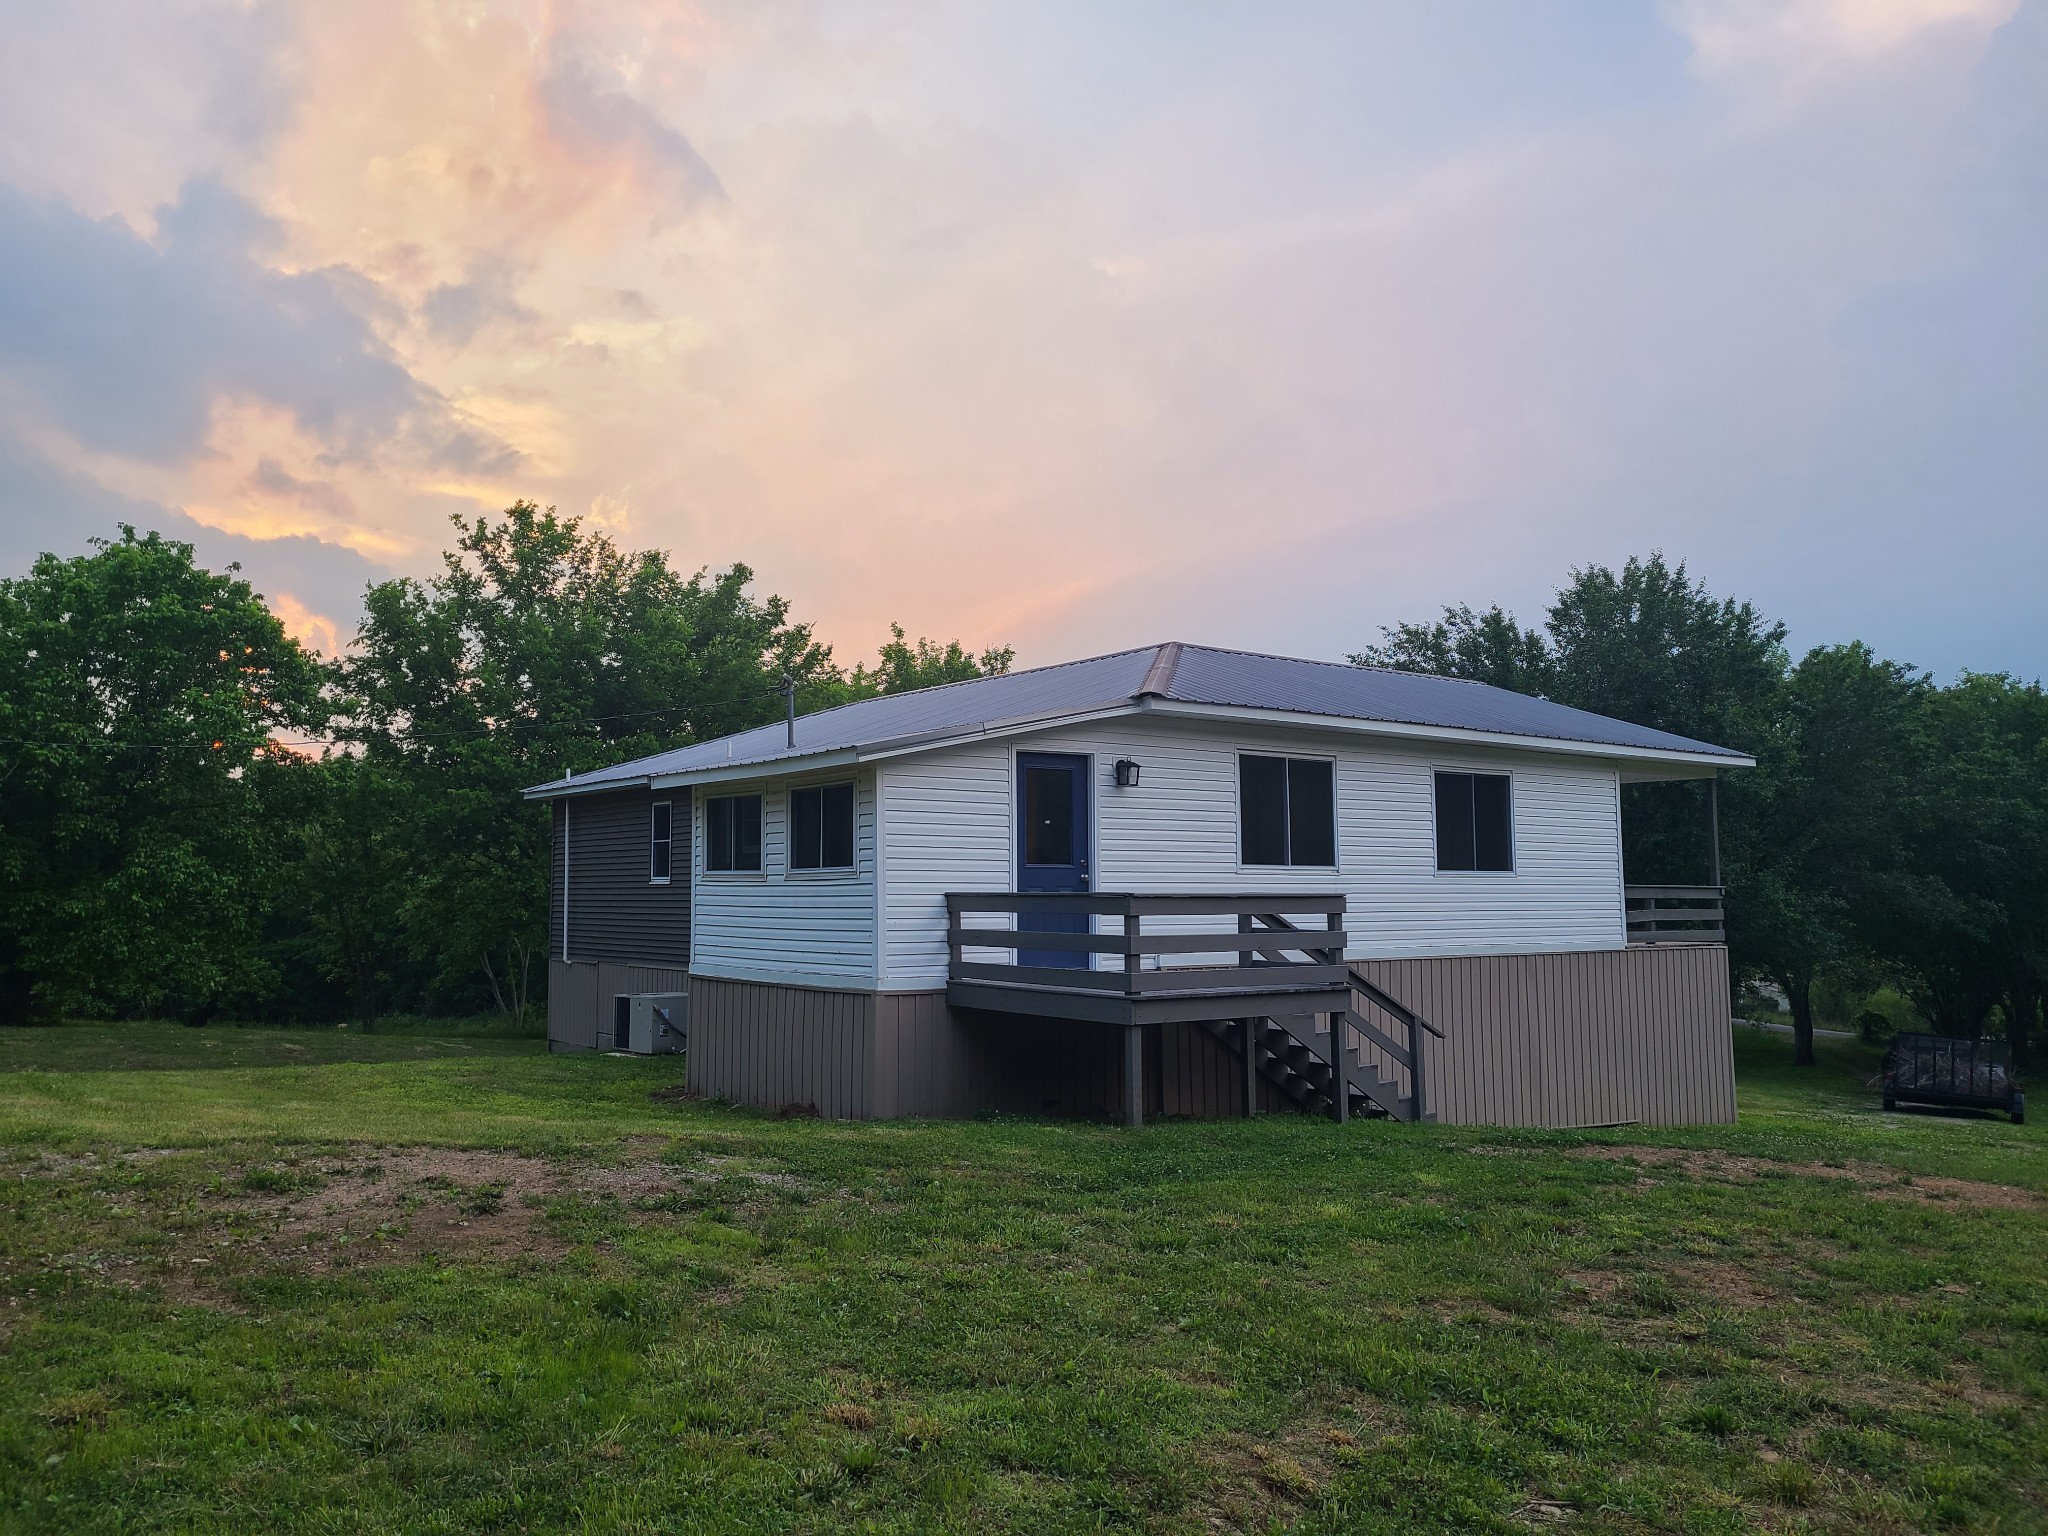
(565, 877)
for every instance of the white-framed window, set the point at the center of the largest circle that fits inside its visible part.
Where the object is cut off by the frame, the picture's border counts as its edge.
(1287, 811)
(660, 826)
(1475, 822)
(732, 834)
(821, 827)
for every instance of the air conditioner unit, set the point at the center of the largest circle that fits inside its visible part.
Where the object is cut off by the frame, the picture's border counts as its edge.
(657, 1023)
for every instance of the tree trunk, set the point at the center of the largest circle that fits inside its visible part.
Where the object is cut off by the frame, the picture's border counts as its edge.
(2022, 1013)
(1799, 993)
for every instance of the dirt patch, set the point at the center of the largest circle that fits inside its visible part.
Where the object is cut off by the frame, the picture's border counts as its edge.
(383, 1206)
(1882, 1182)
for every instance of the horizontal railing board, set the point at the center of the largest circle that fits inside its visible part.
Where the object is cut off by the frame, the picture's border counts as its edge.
(1647, 892)
(1052, 976)
(1112, 904)
(1219, 980)
(1254, 943)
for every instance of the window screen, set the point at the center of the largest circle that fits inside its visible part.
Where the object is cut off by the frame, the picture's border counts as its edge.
(1474, 824)
(732, 832)
(658, 842)
(1287, 810)
(821, 827)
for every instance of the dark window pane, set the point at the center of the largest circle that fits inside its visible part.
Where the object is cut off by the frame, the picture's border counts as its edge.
(806, 842)
(718, 833)
(838, 829)
(1493, 843)
(1048, 816)
(746, 832)
(1454, 821)
(658, 843)
(1311, 812)
(1262, 809)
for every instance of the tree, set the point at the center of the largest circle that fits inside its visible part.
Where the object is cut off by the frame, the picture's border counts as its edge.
(1971, 934)
(904, 667)
(540, 648)
(1819, 848)
(137, 692)
(1487, 647)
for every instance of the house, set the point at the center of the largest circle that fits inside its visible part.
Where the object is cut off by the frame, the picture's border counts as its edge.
(1248, 883)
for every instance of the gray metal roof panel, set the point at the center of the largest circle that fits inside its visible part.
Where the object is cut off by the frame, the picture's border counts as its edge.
(1074, 687)
(1187, 674)
(1249, 680)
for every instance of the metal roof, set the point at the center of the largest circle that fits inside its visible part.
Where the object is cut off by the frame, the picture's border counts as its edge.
(1173, 678)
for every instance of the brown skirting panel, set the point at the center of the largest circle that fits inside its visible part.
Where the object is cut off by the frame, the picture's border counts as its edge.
(581, 998)
(863, 1055)
(1590, 1038)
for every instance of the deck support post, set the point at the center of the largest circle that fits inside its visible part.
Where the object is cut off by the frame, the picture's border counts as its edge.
(1134, 1075)
(1251, 1066)
(1340, 1077)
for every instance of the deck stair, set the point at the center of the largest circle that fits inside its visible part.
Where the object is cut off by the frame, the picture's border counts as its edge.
(1293, 1052)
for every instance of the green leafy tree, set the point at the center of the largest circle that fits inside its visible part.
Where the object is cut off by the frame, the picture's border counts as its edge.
(137, 693)
(904, 667)
(1487, 647)
(1819, 846)
(1969, 933)
(540, 648)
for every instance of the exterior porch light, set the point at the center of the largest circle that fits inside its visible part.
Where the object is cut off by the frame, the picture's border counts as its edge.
(1126, 773)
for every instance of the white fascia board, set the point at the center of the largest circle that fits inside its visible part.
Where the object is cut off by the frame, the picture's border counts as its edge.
(1242, 714)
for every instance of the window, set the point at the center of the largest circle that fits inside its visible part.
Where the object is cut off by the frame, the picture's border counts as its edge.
(658, 843)
(732, 832)
(1473, 829)
(1287, 810)
(821, 827)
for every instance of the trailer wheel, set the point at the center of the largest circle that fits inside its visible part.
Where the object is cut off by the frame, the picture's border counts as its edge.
(2019, 1109)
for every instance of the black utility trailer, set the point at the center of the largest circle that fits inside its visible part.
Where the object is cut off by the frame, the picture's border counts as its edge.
(1947, 1069)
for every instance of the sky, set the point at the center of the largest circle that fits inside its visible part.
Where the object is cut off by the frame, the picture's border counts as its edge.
(1064, 326)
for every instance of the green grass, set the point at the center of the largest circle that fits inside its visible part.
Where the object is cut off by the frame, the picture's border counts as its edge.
(328, 1282)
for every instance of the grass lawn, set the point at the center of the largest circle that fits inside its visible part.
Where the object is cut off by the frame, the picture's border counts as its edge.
(285, 1281)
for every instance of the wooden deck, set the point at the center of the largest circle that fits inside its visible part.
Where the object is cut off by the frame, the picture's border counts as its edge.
(1279, 994)
(1253, 971)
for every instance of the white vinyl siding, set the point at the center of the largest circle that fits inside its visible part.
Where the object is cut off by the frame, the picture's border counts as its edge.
(800, 927)
(949, 829)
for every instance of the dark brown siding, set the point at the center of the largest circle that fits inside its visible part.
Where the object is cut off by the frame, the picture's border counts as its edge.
(615, 912)
(583, 999)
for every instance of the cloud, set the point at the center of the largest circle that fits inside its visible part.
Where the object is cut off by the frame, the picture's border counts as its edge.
(44, 508)
(1786, 47)
(592, 113)
(128, 344)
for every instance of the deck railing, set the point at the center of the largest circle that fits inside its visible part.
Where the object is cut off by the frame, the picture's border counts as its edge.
(1674, 914)
(1260, 942)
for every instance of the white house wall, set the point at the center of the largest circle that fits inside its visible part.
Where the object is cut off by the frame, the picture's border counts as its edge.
(805, 927)
(947, 827)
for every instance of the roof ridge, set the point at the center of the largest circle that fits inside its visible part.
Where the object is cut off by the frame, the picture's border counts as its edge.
(1345, 666)
(986, 677)
(1159, 676)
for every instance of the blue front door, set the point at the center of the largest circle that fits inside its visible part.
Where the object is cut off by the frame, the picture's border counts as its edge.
(1053, 846)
